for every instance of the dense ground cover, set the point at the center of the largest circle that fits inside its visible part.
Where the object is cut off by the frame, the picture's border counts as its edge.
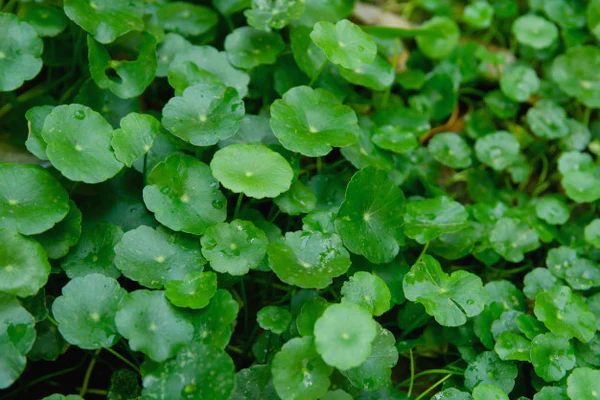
(264, 199)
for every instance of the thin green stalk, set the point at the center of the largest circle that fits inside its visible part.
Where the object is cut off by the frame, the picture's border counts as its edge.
(274, 216)
(235, 349)
(587, 113)
(412, 373)
(423, 252)
(319, 71)
(319, 164)
(238, 205)
(126, 361)
(28, 95)
(52, 320)
(245, 299)
(145, 168)
(8, 6)
(88, 373)
(434, 386)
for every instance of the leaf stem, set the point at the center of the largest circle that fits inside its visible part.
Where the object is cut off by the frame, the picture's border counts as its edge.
(237, 206)
(319, 164)
(423, 252)
(412, 373)
(434, 386)
(52, 320)
(235, 349)
(319, 71)
(122, 358)
(587, 113)
(88, 373)
(28, 95)
(144, 169)
(245, 299)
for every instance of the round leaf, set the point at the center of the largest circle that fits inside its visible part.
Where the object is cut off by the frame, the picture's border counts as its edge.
(512, 238)
(369, 220)
(377, 75)
(394, 138)
(487, 368)
(107, 19)
(427, 219)
(592, 233)
(86, 311)
(312, 121)
(367, 290)
(31, 200)
(519, 83)
(198, 372)
(451, 150)
(94, 252)
(548, 120)
(575, 74)
(79, 144)
(248, 47)
(152, 325)
(344, 43)
(299, 372)
(497, 150)
(552, 356)
(308, 259)
(186, 19)
(135, 137)
(252, 169)
(64, 235)
(154, 257)
(24, 267)
(443, 37)
(553, 210)
(276, 14)
(204, 114)
(184, 196)
(234, 247)
(274, 319)
(36, 116)
(20, 52)
(343, 335)
(583, 384)
(450, 299)
(194, 290)
(534, 31)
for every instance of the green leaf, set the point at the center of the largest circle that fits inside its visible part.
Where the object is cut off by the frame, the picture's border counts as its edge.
(154, 257)
(344, 43)
(512, 238)
(184, 196)
(235, 247)
(519, 83)
(299, 372)
(123, 385)
(133, 74)
(534, 31)
(312, 121)
(48, 21)
(57, 396)
(497, 150)
(86, 311)
(252, 169)
(485, 391)
(276, 14)
(552, 356)
(582, 186)
(583, 384)
(94, 252)
(548, 120)
(427, 219)
(538, 280)
(377, 75)
(209, 59)
(479, 14)
(108, 19)
(274, 319)
(452, 394)
(135, 137)
(198, 372)
(213, 325)
(337, 394)
(194, 290)
(395, 139)
(35, 123)
(370, 219)
(298, 200)
(575, 74)
(78, 141)
(309, 313)
(553, 209)
(20, 52)
(343, 335)
(565, 314)
(500, 105)
(592, 233)
(186, 19)
(308, 259)
(489, 369)
(172, 45)
(593, 18)
(376, 371)
(25, 268)
(451, 150)
(513, 347)
(248, 47)
(61, 237)
(367, 290)
(152, 325)
(204, 114)
(31, 200)
(450, 299)
(443, 39)
(18, 325)
(254, 383)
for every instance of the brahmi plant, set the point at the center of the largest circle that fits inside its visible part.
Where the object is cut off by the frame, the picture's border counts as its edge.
(299, 199)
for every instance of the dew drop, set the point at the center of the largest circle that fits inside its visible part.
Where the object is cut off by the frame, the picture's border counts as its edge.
(79, 114)
(218, 204)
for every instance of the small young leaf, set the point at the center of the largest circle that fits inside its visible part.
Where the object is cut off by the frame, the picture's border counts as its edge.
(427, 219)
(344, 43)
(367, 290)
(248, 47)
(274, 319)
(135, 137)
(489, 369)
(194, 290)
(552, 356)
(534, 31)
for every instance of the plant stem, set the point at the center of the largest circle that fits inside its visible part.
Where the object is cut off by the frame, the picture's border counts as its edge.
(319, 71)
(235, 349)
(434, 386)
(238, 205)
(52, 320)
(423, 252)
(412, 374)
(587, 113)
(245, 299)
(126, 361)
(144, 169)
(28, 95)
(88, 373)
(319, 164)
